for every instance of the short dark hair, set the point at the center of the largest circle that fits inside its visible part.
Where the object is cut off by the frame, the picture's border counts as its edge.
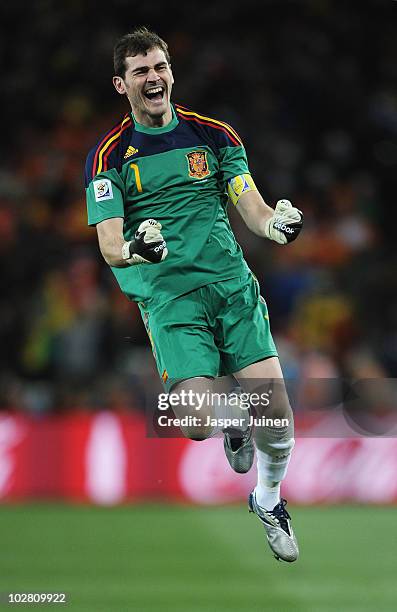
(139, 41)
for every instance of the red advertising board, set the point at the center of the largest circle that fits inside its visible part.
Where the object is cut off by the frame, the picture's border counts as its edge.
(106, 458)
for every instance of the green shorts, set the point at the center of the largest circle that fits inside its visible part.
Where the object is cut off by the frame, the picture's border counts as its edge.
(212, 331)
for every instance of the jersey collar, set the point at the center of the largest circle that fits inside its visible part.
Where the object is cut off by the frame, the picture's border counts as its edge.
(157, 130)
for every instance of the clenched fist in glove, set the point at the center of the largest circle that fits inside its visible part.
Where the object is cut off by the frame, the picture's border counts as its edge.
(148, 245)
(285, 224)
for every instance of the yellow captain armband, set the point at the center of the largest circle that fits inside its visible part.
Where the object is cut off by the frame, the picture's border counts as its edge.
(238, 185)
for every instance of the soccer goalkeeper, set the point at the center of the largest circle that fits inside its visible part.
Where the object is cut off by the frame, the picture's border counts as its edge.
(158, 184)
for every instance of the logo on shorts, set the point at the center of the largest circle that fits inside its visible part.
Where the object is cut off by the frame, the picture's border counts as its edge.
(103, 190)
(149, 333)
(198, 164)
(164, 376)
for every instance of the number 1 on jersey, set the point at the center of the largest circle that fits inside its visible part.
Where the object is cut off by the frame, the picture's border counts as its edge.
(137, 177)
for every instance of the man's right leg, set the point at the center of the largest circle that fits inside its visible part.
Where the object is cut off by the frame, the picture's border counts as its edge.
(194, 402)
(217, 402)
(188, 360)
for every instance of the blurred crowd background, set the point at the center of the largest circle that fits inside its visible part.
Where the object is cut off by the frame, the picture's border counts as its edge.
(311, 88)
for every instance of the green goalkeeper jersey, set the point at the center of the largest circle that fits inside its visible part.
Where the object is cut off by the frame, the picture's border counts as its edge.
(177, 175)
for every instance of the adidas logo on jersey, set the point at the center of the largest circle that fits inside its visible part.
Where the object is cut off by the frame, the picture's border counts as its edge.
(130, 151)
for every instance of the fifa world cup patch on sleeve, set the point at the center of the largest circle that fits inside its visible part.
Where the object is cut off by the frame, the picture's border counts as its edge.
(238, 185)
(103, 190)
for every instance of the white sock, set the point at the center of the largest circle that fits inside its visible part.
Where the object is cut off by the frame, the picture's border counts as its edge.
(271, 471)
(268, 497)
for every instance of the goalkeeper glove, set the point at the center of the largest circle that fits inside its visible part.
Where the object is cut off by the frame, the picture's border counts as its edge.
(148, 245)
(285, 224)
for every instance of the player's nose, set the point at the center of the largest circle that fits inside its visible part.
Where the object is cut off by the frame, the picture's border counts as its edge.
(152, 75)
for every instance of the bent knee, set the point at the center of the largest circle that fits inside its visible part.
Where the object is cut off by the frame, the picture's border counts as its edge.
(197, 433)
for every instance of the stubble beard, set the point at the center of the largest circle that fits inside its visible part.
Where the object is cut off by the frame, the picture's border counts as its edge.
(141, 109)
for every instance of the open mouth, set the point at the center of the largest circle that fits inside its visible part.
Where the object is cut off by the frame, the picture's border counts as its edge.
(155, 94)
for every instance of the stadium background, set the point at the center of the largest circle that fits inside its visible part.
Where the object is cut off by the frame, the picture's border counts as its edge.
(311, 88)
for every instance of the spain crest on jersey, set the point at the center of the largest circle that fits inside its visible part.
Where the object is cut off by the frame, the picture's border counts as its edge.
(198, 164)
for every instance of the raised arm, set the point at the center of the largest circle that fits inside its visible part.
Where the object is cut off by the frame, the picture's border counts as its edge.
(148, 245)
(254, 211)
(111, 241)
(281, 224)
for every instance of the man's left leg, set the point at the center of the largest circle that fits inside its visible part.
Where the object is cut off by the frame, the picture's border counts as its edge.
(274, 445)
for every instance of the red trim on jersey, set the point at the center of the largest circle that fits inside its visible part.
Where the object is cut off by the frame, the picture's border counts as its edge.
(102, 144)
(217, 127)
(113, 146)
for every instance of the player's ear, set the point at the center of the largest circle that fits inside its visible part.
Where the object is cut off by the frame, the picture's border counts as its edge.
(119, 85)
